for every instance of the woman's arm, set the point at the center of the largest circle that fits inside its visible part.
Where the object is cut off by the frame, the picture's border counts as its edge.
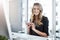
(38, 32)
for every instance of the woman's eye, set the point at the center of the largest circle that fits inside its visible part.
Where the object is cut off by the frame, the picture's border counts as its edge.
(37, 8)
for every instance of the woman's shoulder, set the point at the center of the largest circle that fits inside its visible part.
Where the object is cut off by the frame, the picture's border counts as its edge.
(45, 21)
(44, 18)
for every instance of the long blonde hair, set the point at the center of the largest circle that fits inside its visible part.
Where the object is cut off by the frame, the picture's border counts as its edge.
(39, 16)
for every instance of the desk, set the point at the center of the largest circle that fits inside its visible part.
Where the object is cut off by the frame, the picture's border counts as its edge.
(20, 36)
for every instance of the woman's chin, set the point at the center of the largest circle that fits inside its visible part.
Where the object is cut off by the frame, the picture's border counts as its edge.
(36, 15)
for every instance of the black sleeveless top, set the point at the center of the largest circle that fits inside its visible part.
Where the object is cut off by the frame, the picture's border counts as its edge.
(42, 28)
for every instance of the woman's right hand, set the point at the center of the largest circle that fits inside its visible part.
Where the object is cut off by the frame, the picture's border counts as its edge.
(28, 25)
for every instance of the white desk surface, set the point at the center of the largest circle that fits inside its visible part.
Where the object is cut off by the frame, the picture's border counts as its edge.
(30, 37)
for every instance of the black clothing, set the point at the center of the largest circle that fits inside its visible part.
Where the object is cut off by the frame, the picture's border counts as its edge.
(42, 28)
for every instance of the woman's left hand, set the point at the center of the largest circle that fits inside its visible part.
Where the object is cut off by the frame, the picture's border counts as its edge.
(33, 26)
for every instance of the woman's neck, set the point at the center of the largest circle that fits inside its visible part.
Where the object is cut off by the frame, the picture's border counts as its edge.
(36, 17)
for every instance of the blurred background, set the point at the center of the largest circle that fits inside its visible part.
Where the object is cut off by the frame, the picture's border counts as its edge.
(18, 12)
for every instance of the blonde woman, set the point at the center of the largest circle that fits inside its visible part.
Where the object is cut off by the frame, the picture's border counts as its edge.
(38, 23)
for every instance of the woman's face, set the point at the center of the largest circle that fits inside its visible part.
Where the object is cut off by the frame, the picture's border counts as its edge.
(36, 10)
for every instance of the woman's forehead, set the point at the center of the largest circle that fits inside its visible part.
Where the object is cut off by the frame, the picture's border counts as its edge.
(36, 6)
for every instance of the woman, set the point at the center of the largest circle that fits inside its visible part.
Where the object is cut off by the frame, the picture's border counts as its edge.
(38, 23)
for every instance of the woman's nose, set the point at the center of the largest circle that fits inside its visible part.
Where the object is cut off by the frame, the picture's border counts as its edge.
(35, 9)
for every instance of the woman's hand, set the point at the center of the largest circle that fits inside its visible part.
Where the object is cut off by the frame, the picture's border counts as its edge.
(28, 25)
(33, 26)
(37, 31)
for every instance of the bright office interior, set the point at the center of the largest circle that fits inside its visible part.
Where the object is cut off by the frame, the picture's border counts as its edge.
(18, 12)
